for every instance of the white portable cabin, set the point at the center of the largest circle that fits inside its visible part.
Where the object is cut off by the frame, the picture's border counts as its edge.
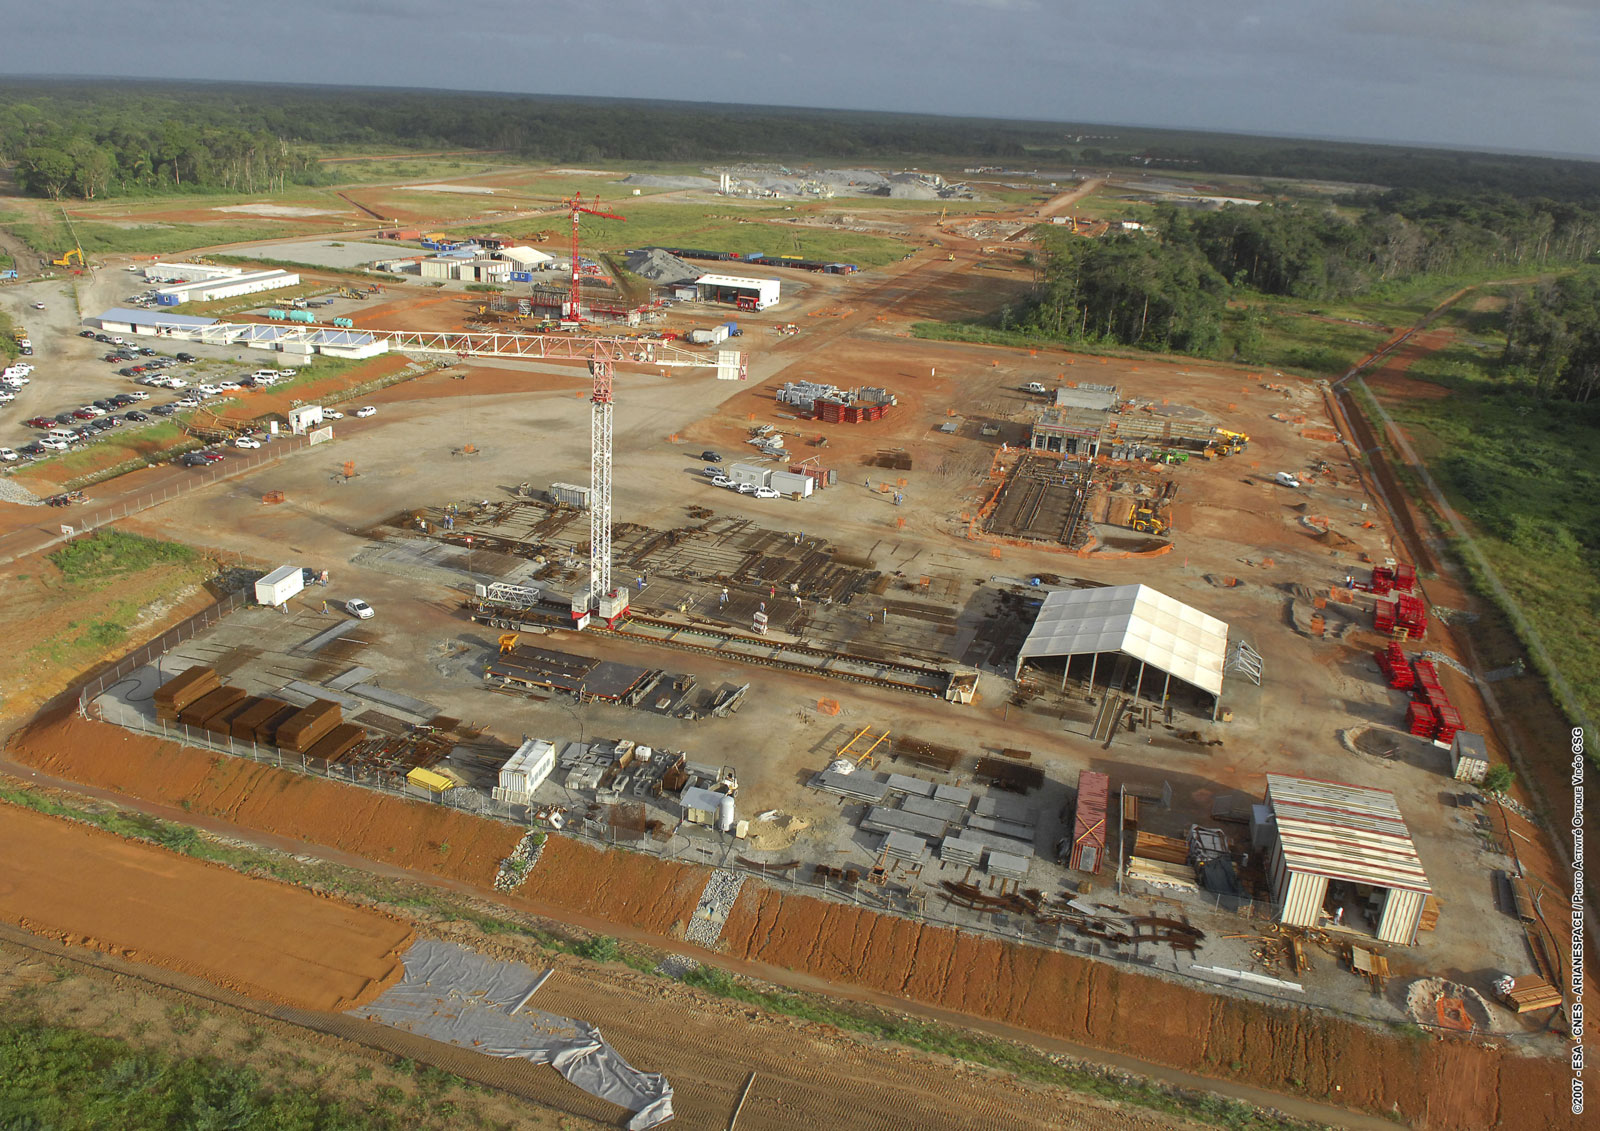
(1469, 757)
(279, 585)
(525, 771)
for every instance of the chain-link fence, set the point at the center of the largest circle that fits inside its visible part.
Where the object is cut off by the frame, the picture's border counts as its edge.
(94, 687)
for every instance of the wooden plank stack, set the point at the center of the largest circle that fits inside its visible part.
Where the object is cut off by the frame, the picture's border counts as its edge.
(304, 729)
(337, 742)
(212, 703)
(245, 723)
(184, 689)
(1531, 992)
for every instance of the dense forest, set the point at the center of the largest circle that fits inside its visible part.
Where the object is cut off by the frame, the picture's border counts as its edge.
(83, 138)
(1553, 336)
(1167, 289)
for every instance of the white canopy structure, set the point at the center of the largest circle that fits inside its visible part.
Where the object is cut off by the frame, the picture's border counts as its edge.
(1135, 621)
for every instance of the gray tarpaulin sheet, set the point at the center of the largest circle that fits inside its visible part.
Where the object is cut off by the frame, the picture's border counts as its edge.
(452, 994)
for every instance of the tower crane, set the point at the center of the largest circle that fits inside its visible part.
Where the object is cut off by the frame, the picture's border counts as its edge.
(579, 209)
(603, 354)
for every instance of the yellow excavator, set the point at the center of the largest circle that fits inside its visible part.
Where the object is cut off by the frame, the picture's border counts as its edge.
(67, 258)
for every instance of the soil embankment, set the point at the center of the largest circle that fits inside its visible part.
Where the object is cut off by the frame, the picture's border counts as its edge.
(1439, 1085)
(272, 941)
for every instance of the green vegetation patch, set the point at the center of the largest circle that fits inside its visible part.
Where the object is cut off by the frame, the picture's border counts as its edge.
(1525, 472)
(111, 553)
(55, 1077)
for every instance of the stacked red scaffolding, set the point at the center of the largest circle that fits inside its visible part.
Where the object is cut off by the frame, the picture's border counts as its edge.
(1445, 719)
(1386, 579)
(1396, 668)
(1405, 616)
(1420, 720)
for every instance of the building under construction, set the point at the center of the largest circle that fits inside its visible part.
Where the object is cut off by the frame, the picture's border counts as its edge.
(1045, 500)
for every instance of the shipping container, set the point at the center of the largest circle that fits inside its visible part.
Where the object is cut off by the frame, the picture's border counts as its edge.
(1089, 822)
(790, 483)
(570, 494)
(279, 585)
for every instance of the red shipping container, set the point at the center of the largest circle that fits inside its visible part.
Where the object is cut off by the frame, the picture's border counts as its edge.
(1089, 822)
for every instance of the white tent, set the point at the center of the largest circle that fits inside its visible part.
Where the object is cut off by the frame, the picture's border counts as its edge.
(526, 256)
(1136, 621)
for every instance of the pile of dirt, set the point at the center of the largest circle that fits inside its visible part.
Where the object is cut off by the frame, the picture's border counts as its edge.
(661, 267)
(773, 831)
(84, 887)
(1442, 1085)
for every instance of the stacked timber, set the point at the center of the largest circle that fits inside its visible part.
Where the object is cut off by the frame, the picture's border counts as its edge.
(221, 722)
(212, 703)
(244, 723)
(308, 726)
(337, 742)
(267, 731)
(1167, 849)
(182, 690)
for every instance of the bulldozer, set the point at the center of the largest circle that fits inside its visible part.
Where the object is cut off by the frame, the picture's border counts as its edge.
(66, 259)
(346, 292)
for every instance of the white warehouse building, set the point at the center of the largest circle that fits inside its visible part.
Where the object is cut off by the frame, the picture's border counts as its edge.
(229, 286)
(738, 290)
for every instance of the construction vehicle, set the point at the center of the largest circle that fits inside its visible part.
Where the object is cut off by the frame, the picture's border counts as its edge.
(1145, 521)
(346, 292)
(1230, 443)
(66, 259)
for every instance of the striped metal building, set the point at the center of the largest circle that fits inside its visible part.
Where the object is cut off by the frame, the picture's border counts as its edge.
(1325, 831)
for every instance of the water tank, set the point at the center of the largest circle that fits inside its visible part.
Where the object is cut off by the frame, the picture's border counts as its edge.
(725, 815)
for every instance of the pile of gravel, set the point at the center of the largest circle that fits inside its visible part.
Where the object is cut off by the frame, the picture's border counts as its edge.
(722, 891)
(661, 267)
(12, 492)
(515, 868)
(651, 180)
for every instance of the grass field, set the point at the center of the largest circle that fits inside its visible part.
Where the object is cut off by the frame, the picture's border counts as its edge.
(727, 228)
(1525, 473)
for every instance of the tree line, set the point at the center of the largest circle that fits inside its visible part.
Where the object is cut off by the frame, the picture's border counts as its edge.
(138, 136)
(1553, 336)
(1167, 289)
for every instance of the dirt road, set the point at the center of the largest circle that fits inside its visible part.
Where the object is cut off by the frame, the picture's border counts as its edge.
(1070, 197)
(93, 889)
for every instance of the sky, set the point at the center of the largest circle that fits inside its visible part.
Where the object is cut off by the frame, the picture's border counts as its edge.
(1478, 74)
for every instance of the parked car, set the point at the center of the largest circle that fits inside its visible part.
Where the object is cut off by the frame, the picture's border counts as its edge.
(193, 459)
(103, 404)
(85, 414)
(745, 488)
(332, 414)
(710, 457)
(85, 333)
(136, 395)
(246, 442)
(722, 481)
(366, 410)
(65, 418)
(710, 472)
(40, 422)
(136, 417)
(103, 338)
(38, 306)
(184, 356)
(164, 409)
(356, 607)
(210, 456)
(767, 493)
(287, 372)
(54, 445)
(7, 455)
(229, 386)
(32, 450)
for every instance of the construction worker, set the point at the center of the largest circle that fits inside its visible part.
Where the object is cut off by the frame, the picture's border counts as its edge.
(324, 608)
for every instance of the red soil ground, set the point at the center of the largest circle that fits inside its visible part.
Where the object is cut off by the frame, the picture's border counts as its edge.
(89, 888)
(1430, 1084)
(1449, 1086)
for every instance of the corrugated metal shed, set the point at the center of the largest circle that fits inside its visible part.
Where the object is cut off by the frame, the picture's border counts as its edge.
(125, 317)
(1344, 832)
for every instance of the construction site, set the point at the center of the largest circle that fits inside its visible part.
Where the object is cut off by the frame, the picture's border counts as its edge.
(806, 649)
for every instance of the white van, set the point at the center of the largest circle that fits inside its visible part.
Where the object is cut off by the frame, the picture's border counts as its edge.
(65, 435)
(1284, 479)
